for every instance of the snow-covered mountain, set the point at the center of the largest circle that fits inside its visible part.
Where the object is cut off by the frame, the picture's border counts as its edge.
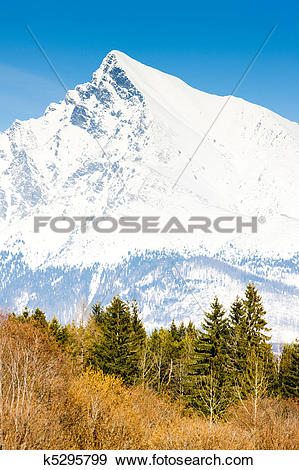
(115, 147)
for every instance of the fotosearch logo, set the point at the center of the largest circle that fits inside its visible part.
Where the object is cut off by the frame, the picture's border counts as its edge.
(147, 224)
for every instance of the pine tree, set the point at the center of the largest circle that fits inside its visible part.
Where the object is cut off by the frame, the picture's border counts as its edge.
(289, 371)
(139, 333)
(254, 318)
(237, 316)
(211, 394)
(97, 312)
(186, 389)
(251, 357)
(39, 318)
(191, 331)
(54, 327)
(138, 341)
(76, 343)
(25, 313)
(176, 340)
(156, 359)
(238, 347)
(212, 346)
(92, 337)
(58, 331)
(183, 349)
(117, 351)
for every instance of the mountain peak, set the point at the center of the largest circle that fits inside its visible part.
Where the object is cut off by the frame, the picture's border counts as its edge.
(117, 54)
(114, 59)
(114, 147)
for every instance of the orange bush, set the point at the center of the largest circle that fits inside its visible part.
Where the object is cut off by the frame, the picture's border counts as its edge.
(34, 377)
(46, 404)
(113, 416)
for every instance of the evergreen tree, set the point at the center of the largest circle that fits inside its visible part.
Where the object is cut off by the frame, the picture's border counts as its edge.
(58, 331)
(39, 318)
(138, 340)
(92, 337)
(97, 312)
(157, 359)
(289, 371)
(176, 340)
(182, 331)
(191, 331)
(255, 322)
(76, 344)
(186, 383)
(237, 317)
(117, 351)
(139, 334)
(25, 313)
(251, 357)
(238, 346)
(211, 390)
(212, 345)
(54, 327)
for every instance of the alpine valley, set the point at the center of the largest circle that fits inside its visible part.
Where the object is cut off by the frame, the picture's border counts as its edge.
(115, 147)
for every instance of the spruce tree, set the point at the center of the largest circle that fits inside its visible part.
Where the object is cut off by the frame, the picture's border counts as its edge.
(175, 347)
(251, 357)
(191, 331)
(176, 337)
(138, 341)
(54, 327)
(255, 322)
(289, 371)
(238, 346)
(25, 313)
(97, 312)
(138, 330)
(187, 383)
(156, 359)
(211, 390)
(58, 331)
(39, 318)
(117, 351)
(237, 316)
(212, 345)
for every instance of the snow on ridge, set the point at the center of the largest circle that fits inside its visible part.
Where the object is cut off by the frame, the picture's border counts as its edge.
(115, 146)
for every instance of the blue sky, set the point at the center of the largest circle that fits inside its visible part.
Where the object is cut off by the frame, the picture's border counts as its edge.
(207, 44)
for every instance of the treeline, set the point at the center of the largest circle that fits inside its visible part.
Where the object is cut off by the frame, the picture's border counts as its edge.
(227, 361)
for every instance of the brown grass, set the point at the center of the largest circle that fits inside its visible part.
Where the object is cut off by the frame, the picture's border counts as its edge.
(45, 404)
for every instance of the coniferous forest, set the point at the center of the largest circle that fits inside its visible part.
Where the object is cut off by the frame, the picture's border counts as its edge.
(106, 383)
